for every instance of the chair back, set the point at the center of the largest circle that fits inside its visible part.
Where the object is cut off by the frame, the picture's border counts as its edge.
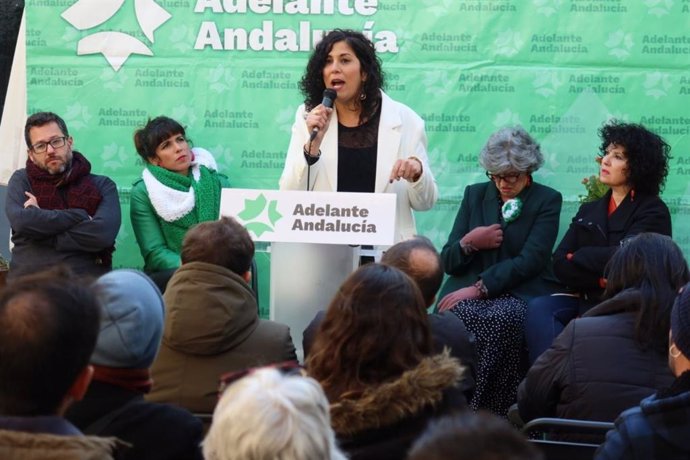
(566, 439)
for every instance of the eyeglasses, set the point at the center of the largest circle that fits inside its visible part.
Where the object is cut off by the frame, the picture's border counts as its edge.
(507, 178)
(42, 147)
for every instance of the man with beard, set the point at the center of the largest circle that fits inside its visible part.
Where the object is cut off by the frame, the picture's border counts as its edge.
(59, 212)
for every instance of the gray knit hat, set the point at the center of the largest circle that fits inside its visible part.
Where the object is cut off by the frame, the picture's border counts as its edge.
(132, 320)
(680, 321)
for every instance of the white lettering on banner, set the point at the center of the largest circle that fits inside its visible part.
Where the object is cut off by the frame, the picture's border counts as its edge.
(268, 39)
(344, 7)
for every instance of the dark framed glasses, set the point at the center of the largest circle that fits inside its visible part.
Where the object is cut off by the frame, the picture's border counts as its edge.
(507, 178)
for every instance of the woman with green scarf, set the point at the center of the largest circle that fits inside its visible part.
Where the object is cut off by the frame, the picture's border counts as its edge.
(179, 188)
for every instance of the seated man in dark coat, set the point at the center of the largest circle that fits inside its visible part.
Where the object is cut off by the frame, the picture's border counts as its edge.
(418, 258)
(131, 329)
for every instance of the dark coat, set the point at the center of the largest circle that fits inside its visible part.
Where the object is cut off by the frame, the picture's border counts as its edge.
(212, 326)
(595, 369)
(593, 238)
(384, 421)
(655, 430)
(155, 431)
(447, 331)
(521, 266)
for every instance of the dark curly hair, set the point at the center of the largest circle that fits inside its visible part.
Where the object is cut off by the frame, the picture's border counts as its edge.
(648, 154)
(312, 85)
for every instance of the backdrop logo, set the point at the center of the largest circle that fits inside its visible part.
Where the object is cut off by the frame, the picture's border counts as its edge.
(253, 211)
(115, 46)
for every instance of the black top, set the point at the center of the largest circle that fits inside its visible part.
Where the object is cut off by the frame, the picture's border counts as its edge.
(357, 151)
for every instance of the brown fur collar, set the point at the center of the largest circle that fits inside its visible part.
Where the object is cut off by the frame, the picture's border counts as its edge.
(390, 402)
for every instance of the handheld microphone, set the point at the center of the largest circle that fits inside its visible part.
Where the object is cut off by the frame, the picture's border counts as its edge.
(329, 96)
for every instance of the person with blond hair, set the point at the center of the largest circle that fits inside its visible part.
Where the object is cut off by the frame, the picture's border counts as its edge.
(271, 415)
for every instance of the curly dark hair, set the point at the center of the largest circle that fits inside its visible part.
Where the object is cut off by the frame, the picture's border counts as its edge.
(312, 85)
(648, 154)
(376, 328)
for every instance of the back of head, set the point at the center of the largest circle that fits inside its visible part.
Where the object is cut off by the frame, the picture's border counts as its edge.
(148, 138)
(647, 153)
(472, 436)
(511, 149)
(654, 266)
(268, 415)
(417, 258)
(680, 333)
(224, 242)
(375, 328)
(48, 329)
(131, 320)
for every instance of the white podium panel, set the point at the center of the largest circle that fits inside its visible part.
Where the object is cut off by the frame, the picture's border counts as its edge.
(304, 279)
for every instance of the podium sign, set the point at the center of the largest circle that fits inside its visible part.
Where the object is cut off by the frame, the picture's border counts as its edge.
(313, 217)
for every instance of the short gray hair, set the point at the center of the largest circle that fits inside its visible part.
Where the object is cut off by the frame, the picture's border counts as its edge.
(511, 149)
(270, 415)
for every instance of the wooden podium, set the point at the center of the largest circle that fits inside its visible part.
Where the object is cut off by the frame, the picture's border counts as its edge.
(315, 240)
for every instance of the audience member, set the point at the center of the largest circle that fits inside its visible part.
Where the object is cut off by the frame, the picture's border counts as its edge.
(212, 323)
(634, 164)
(372, 355)
(498, 256)
(179, 188)
(614, 355)
(473, 436)
(417, 258)
(59, 212)
(657, 429)
(48, 329)
(268, 415)
(114, 405)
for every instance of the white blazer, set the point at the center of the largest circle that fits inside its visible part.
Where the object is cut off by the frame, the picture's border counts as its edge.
(401, 135)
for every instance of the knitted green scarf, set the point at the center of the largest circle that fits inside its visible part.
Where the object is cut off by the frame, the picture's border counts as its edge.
(206, 201)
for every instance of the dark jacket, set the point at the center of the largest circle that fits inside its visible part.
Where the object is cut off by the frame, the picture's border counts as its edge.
(521, 266)
(655, 430)
(447, 331)
(595, 369)
(43, 238)
(212, 326)
(593, 238)
(155, 431)
(386, 418)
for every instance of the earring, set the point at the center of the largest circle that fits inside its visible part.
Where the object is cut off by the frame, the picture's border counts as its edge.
(362, 96)
(671, 352)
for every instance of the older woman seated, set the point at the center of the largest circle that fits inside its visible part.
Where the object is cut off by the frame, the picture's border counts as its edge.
(498, 256)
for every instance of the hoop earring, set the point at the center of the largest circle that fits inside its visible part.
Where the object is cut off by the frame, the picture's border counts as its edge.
(670, 351)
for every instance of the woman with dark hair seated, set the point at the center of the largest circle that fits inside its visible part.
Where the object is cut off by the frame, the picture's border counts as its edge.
(372, 357)
(634, 164)
(614, 355)
(658, 427)
(179, 188)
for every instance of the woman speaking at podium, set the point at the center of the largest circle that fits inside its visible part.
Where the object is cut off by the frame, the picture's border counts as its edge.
(366, 141)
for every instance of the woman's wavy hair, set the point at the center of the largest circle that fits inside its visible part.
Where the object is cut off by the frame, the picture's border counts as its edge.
(156, 130)
(648, 154)
(375, 329)
(511, 148)
(653, 265)
(312, 85)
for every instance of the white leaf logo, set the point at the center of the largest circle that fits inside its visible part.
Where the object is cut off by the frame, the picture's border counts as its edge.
(116, 47)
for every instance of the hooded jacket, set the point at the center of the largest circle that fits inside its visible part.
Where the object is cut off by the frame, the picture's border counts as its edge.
(384, 420)
(656, 429)
(594, 358)
(211, 327)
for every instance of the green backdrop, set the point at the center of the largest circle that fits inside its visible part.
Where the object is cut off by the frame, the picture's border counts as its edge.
(229, 69)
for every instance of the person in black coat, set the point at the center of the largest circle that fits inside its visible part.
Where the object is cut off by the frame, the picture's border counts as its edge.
(634, 164)
(614, 355)
(418, 258)
(114, 405)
